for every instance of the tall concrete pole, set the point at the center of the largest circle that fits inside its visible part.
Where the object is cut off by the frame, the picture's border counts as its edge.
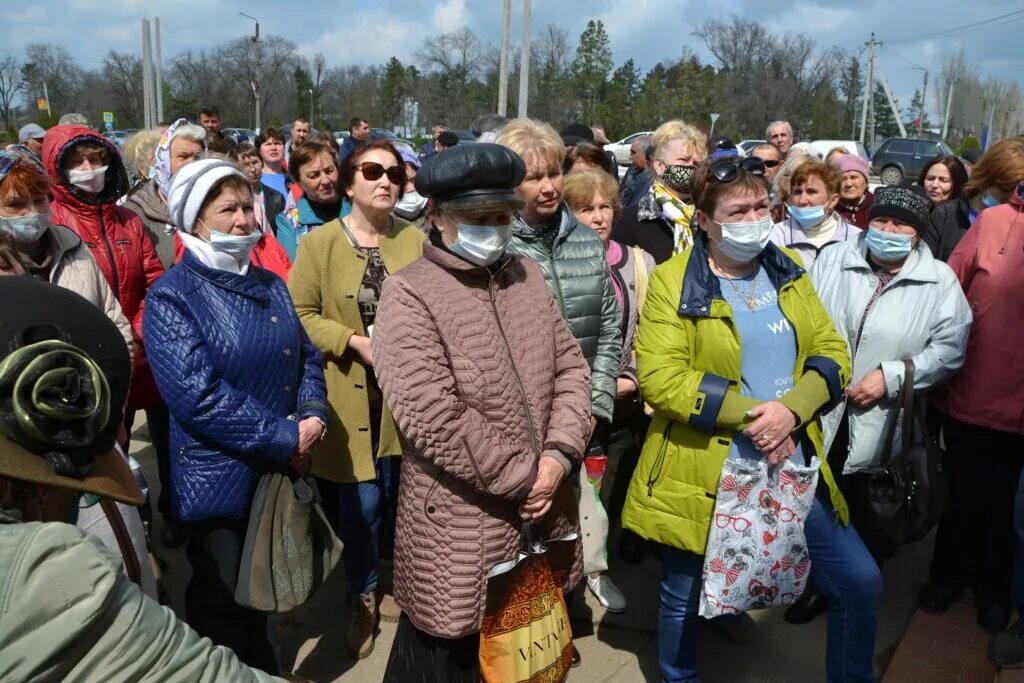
(868, 93)
(949, 105)
(924, 96)
(147, 77)
(506, 29)
(259, 54)
(158, 71)
(524, 62)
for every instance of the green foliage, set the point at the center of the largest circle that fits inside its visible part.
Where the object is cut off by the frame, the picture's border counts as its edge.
(911, 113)
(303, 84)
(885, 120)
(393, 91)
(970, 142)
(591, 67)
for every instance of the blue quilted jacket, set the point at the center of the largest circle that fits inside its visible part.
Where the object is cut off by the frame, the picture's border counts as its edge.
(232, 362)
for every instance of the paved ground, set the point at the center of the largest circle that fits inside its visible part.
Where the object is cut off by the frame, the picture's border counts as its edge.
(615, 648)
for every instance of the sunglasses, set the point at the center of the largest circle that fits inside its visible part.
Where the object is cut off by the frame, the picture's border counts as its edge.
(727, 170)
(770, 163)
(373, 171)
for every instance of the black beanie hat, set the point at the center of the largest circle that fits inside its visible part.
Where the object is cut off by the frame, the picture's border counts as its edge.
(908, 204)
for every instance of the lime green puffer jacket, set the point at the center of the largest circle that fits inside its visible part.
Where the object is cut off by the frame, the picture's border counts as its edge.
(688, 357)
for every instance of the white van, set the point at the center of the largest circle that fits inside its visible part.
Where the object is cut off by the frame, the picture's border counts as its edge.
(823, 147)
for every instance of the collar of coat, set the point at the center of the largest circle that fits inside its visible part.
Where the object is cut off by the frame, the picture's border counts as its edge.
(254, 285)
(701, 285)
(524, 232)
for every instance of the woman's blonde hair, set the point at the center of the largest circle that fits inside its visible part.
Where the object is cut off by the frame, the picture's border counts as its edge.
(670, 131)
(781, 184)
(529, 137)
(1002, 166)
(140, 148)
(581, 186)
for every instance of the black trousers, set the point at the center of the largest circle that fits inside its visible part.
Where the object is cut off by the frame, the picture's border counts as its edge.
(215, 552)
(418, 657)
(974, 545)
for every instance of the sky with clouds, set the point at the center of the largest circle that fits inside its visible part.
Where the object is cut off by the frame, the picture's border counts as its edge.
(368, 32)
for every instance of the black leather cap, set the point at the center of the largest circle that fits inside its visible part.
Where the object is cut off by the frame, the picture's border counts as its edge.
(479, 176)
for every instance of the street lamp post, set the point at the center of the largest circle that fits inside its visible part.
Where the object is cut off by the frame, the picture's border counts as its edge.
(256, 81)
(310, 91)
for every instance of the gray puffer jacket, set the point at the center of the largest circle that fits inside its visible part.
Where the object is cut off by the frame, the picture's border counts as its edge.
(579, 277)
(151, 209)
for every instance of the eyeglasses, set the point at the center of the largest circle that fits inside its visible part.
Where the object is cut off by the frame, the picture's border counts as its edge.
(770, 163)
(738, 524)
(373, 171)
(727, 170)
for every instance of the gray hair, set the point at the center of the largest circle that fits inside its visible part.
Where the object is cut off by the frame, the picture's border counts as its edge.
(645, 142)
(768, 130)
(73, 119)
(189, 131)
(488, 123)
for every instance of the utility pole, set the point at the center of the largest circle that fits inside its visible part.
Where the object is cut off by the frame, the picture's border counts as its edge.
(147, 78)
(256, 81)
(924, 98)
(949, 104)
(524, 62)
(506, 29)
(46, 96)
(158, 71)
(892, 102)
(988, 131)
(868, 108)
(310, 91)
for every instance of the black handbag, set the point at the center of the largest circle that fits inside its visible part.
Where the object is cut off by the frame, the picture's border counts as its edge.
(907, 493)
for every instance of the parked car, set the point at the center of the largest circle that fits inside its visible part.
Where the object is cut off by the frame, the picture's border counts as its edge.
(239, 135)
(464, 136)
(118, 137)
(385, 134)
(340, 135)
(823, 147)
(621, 148)
(899, 158)
(747, 146)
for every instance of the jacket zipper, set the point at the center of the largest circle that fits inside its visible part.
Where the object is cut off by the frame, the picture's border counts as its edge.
(558, 284)
(110, 256)
(519, 381)
(659, 462)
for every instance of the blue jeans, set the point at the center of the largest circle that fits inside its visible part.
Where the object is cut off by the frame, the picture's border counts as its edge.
(363, 517)
(841, 567)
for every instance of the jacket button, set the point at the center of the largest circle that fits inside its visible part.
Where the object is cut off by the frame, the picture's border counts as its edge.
(431, 509)
(703, 308)
(683, 306)
(273, 319)
(287, 352)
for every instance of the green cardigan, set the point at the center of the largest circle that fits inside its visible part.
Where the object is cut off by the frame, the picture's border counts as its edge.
(324, 285)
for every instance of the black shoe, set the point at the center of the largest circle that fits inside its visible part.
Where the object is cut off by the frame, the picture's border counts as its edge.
(575, 658)
(1006, 649)
(936, 598)
(993, 617)
(631, 547)
(808, 606)
(171, 535)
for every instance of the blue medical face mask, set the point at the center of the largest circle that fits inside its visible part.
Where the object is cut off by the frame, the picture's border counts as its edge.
(887, 246)
(807, 216)
(25, 229)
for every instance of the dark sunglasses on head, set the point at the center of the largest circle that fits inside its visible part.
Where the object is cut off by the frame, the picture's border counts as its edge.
(371, 170)
(727, 170)
(770, 163)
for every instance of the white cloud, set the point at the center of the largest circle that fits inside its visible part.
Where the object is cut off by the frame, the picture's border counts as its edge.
(451, 15)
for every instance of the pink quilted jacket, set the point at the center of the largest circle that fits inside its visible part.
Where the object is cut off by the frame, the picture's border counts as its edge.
(482, 375)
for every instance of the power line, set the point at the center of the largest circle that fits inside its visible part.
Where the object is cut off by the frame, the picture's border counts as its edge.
(960, 30)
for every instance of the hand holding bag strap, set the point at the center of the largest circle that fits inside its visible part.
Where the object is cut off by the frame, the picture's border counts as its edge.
(904, 407)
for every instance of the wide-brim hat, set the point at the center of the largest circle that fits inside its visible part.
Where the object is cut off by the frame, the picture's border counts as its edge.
(64, 376)
(480, 178)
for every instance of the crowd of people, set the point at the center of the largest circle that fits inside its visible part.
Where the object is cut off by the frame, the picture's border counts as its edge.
(458, 342)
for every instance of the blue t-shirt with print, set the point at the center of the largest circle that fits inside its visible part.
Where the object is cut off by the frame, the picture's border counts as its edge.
(768, 347)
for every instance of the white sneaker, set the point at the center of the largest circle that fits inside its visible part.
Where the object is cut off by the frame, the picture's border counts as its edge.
(607, 593)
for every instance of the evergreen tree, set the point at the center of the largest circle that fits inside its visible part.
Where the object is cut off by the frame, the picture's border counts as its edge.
(911, 114)
(885, 120)
(393, 90)
(591, 67)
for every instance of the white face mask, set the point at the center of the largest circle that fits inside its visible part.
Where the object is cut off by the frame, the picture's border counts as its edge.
(410, 205)
(89, 181)
(742, 242)
(481, 245)
(237, 247)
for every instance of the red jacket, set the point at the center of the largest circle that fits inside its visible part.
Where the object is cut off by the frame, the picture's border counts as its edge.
(989, 262)
(268, 254)
(114, 236)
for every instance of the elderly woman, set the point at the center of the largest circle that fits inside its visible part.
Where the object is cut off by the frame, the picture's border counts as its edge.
(90, 621)
(244, 386)
(661, 221)
(336, 285)
(482, 455)
(572, 259)
(984, 432)
(182, 143)
(314, 168)
(854, 196)
(722, 386)
(943, 178)
(992, 182)
(891, 300)
(140, 153)
(813, 222)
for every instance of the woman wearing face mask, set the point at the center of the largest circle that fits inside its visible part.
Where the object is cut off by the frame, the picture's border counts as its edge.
(992, 182)
(813, 222)
(48, 252)
(244, 386)
(314, 166)
(336, 285)
(412, 207)
(738, 358)
(661, 222)
(483, 455)
(891, 300)
(943, 178)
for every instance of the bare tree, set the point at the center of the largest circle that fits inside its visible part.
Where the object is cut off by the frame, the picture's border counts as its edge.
(124, 82)
(11, 84)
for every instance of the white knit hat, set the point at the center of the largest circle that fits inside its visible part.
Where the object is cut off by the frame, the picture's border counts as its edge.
(191, 184)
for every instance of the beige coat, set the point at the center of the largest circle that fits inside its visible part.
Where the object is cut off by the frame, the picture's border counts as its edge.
(483, 377)
(68, 614)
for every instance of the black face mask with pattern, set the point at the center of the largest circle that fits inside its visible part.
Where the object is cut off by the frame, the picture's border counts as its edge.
(677, 177)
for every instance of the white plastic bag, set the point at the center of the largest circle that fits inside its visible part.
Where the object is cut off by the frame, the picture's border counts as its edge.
(757, 555)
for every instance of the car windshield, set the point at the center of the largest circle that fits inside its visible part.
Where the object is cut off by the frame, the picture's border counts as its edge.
(384, 133)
